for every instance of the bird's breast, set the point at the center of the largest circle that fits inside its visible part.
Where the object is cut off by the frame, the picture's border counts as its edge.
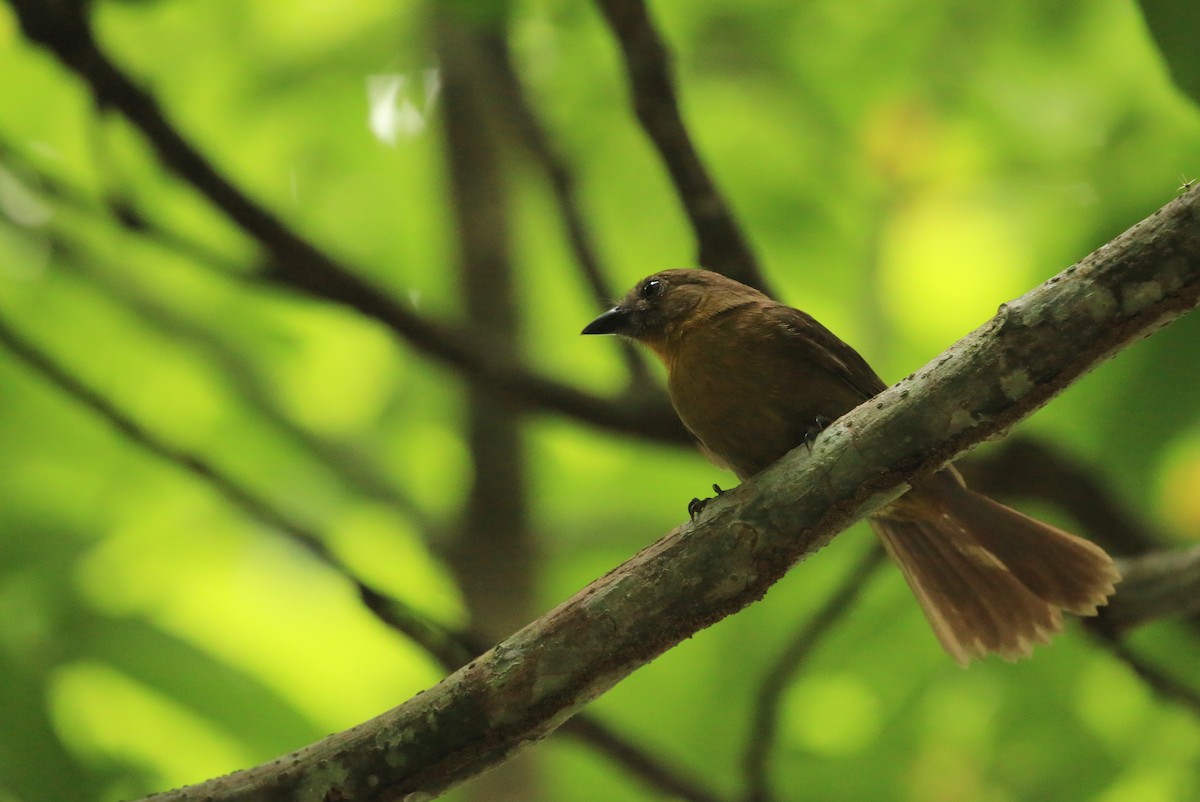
(744, 419)
(748, 401)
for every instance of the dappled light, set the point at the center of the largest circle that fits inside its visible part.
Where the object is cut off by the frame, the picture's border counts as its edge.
(296, 422)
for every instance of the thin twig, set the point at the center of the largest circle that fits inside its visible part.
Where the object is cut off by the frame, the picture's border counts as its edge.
(445, 644)
(358, 474)
(722, 245)
(121, 210)
(764, 725)
(1159, 681)
(65, 30)
(513, 101)
(651, 770)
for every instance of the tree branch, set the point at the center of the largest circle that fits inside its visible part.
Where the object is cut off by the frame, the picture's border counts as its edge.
(63, 28)
(1153, 586)
(528, 685)
(512, 102)
(721, 244)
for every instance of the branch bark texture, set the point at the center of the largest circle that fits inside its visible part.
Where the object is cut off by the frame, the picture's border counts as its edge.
(747, 539)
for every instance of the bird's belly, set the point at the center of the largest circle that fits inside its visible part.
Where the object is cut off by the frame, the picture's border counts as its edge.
(745, 420)
(738, 434)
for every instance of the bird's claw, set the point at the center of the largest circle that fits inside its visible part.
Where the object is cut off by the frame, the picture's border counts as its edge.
(697, 505)
(814, 431)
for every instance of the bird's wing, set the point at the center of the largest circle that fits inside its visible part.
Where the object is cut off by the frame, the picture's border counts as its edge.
(802, 334)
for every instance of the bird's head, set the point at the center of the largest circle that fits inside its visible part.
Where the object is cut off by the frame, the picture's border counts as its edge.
(661, 307)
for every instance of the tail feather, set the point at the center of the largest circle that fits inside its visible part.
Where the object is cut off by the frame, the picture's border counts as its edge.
(1078, 577)
(991, 580)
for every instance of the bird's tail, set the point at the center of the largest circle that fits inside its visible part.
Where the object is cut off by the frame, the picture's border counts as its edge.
(990, 579)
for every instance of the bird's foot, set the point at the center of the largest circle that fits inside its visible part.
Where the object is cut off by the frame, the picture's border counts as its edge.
(697, 505)
(814, 431)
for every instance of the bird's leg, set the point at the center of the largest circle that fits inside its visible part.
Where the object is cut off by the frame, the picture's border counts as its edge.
(819, 424)
(697, 505)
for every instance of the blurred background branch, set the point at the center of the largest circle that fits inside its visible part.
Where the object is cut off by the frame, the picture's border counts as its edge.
(439, 641)
(721, 245)
(493, 553)
(764, 724)
(296, 262)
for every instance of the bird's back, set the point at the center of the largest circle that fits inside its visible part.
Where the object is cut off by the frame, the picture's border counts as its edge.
(751, 381)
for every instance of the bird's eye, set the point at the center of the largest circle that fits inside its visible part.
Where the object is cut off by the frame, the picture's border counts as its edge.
(652, 289)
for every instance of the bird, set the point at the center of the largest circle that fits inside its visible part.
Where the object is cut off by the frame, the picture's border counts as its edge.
(751, 379)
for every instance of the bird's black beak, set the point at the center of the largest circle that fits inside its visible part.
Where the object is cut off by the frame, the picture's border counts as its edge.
(614, 321)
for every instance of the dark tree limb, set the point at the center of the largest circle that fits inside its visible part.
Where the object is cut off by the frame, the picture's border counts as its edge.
(1154, 586)
(721, 244)
(1025, 468)
(527, 686)
(64, 29)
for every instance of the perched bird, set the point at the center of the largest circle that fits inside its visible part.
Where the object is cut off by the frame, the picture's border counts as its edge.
(751, 379)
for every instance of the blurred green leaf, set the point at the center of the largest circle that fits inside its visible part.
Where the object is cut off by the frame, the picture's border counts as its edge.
(1175, 26)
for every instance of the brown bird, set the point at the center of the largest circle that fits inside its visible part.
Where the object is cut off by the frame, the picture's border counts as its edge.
(751, 379)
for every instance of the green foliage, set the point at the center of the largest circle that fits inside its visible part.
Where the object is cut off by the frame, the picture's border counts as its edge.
(902, 168)
(1173, 26)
